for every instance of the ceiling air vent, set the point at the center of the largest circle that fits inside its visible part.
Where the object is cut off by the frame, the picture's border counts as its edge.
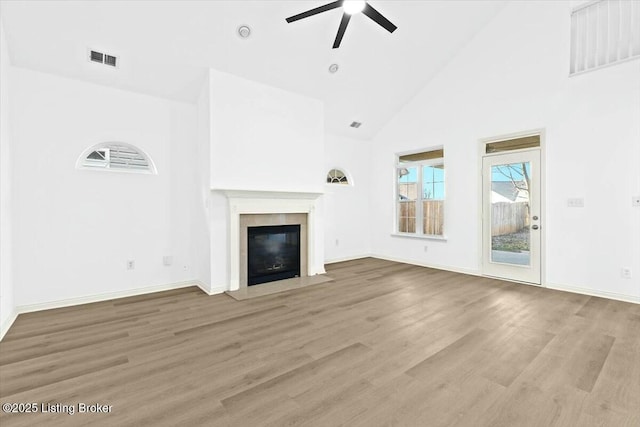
(97, 56)
(110, 60)
(102, 58)
(355, 124)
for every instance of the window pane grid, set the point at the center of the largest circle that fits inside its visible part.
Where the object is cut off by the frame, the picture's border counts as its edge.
(421, 193)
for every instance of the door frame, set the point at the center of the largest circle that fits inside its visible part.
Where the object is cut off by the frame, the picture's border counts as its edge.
(482, 142)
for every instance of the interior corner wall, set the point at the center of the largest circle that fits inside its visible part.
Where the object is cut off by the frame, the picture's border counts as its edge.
(347, 209)
(6, 184)
(75, 230)
(513, 77)
(201, 232)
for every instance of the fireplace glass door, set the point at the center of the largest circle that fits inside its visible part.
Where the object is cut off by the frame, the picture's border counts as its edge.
(273, 253)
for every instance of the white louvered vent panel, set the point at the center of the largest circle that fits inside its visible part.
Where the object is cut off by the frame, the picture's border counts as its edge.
(603, 33)
(116, 156)
(123, 157)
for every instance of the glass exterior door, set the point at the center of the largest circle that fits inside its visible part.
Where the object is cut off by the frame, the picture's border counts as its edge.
(511, 216)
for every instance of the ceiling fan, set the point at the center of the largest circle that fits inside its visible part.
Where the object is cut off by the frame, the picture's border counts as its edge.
(350, 8)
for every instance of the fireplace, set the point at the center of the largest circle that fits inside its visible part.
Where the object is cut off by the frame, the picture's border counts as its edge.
(258, 208)
(273, 253)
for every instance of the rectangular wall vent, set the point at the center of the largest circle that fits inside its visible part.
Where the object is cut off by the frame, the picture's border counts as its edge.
(96, 56)
(604, 32)
(102, 58)
(110, 60)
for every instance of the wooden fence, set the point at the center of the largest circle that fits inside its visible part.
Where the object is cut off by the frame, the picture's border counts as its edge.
(432, 217)
(507, 218)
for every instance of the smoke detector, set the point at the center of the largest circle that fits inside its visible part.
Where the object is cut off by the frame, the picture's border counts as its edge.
(244, 31)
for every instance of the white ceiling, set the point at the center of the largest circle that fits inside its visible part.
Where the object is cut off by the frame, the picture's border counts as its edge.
(165, 47)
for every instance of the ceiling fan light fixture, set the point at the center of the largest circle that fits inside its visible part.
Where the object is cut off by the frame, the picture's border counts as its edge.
(353, 6)
(349, 7)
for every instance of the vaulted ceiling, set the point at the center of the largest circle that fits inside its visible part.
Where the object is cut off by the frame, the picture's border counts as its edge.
(165, 47)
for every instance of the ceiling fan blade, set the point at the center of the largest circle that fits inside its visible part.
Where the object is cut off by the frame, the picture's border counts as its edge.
(315, 11)
(341, 29)
(378, 18)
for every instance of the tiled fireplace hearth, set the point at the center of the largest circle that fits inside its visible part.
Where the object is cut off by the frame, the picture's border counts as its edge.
(267, 208)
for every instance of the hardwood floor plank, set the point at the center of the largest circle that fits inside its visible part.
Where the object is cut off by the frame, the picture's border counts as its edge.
(49, 347)
(13, 382)
(347, 355)
(587, 369)
(450, 356)
(256, 315)
(383, 344)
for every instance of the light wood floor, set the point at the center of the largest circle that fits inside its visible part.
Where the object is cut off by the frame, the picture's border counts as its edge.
(384, 344)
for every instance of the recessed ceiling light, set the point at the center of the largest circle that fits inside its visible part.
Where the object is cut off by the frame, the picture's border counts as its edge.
(333, 68)
(353, 6)
(244, 31)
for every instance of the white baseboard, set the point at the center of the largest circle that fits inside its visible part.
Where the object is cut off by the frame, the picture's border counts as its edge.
(103, 297)
(349, 258)
(4, 327)
(556, 286)
(594, 293)
(428, 265)
(97, 298)
(216, 290)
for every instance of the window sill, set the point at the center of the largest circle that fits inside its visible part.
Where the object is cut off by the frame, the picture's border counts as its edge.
(420, 236)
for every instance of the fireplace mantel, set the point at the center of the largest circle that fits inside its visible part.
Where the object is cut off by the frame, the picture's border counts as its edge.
(272, 202)
(261, 194)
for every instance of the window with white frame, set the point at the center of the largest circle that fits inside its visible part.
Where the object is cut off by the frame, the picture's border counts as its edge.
(337, 176)
(116, 156)
(604, 32)
(420, 193)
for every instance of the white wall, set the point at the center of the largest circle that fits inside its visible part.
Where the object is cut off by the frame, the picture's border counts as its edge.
(347, 208)
(75, 229)
(264, 138)
(514, 77)
(6, 258)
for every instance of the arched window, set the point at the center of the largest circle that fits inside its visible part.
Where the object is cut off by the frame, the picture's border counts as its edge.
(116, 156)
(336, 176)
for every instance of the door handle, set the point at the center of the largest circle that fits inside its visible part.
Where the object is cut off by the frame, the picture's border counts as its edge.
(535, 227)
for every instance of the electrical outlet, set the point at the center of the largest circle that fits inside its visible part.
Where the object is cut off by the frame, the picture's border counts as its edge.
(131, 264)
(575, 202)
(167, 260)
(185, 268)
(635, 201)
(426, 248)
(337, 242)
(625, 272)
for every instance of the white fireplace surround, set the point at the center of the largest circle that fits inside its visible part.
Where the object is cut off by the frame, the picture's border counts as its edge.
(243, 202)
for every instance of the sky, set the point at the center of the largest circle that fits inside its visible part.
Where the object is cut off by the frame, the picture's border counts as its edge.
(501, 173)
(432, 180)
(433, 177)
